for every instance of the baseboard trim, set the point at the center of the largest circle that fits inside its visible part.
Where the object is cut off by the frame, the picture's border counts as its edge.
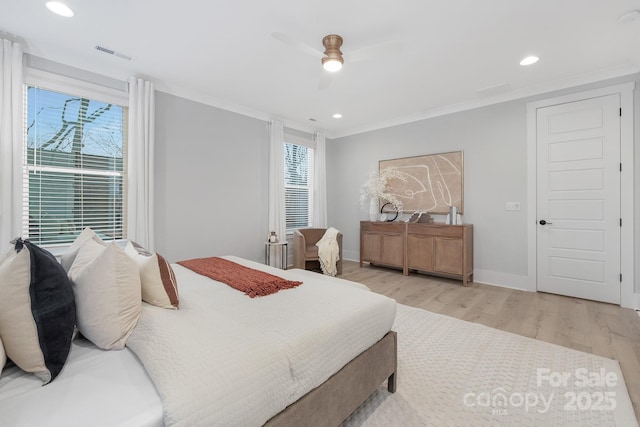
(504, 280)
(351, 255)
(486, 277)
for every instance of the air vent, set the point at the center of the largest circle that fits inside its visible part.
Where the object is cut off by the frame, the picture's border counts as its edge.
(113, 53)
(494, 90)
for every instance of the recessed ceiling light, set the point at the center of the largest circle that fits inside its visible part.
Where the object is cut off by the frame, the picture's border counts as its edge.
(337, 116)
(529, 60)
(59, 8)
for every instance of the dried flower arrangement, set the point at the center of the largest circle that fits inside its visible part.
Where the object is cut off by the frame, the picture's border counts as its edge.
(376, 186)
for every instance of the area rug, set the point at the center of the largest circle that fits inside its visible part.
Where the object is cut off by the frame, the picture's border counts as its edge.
(457, 373)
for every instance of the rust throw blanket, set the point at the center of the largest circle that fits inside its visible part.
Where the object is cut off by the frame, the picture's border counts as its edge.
(252, 282)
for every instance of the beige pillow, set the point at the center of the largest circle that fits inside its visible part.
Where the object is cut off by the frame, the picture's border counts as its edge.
(70, 254)
(106, 285)
(159, 285)
(37, 310)
(3, 357)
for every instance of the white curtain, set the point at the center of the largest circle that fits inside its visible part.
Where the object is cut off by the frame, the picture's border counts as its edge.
(277, 220)
(141, 157)
(320, 183)
(11, 140)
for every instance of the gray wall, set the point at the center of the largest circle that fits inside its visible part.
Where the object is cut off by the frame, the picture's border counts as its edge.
(211, 181)
(494, 141)
(212, 173)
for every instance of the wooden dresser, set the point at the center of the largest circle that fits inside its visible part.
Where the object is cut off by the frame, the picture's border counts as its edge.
(439, 249)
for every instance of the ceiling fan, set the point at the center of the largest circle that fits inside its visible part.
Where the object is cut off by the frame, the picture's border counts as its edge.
(332, 59)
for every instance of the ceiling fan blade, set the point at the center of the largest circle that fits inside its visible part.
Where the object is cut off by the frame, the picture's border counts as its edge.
(297, 44)
(375, 50)
(325, 81)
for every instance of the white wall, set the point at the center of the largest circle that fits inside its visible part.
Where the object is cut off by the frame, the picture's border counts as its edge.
(211, 181)
(494, 142)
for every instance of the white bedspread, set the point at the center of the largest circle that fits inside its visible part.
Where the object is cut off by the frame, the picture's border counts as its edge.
(227, 359)
(96, 388)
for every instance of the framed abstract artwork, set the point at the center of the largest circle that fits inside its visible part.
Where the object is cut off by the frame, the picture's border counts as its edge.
(432, 184)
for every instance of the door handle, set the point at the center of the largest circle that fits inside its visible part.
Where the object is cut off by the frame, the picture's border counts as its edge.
(543, 222)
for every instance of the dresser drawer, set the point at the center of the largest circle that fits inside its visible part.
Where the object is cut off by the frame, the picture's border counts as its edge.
(435, 230)
(382, 227)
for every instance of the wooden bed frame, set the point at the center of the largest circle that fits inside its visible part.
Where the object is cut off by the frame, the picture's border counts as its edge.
(334, 400)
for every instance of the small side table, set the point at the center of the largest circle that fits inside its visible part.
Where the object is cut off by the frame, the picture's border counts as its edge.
(268, 248)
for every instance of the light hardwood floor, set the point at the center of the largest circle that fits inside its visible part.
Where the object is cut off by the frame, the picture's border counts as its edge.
(598, 328)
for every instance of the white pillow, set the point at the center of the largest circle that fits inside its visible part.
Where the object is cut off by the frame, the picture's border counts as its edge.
(90, 250)
(106, 285)
(70, 254)
(159, 285)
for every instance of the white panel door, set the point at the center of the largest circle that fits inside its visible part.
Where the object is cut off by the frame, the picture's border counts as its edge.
(578, 200)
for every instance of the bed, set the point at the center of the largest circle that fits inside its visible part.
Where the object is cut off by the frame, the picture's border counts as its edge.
(303, 356)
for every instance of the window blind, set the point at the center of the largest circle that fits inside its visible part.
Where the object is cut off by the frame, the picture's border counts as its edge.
(74, 171)
(298, 185)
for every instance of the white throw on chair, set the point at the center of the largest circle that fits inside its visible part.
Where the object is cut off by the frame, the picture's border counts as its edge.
(305, 251)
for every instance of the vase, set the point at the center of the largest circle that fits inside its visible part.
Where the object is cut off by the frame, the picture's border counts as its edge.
(373, 209)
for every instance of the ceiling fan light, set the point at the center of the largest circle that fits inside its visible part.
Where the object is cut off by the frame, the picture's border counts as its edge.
(332, 64)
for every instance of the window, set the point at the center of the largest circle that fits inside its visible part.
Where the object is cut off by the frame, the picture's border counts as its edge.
(298, 185)
(75, 167)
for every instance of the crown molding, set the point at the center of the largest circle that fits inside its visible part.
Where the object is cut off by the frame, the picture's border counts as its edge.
(530, 91)
(231, 107)
(527, 92)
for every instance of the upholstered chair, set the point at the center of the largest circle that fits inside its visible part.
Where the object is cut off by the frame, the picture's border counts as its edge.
(305, 251)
